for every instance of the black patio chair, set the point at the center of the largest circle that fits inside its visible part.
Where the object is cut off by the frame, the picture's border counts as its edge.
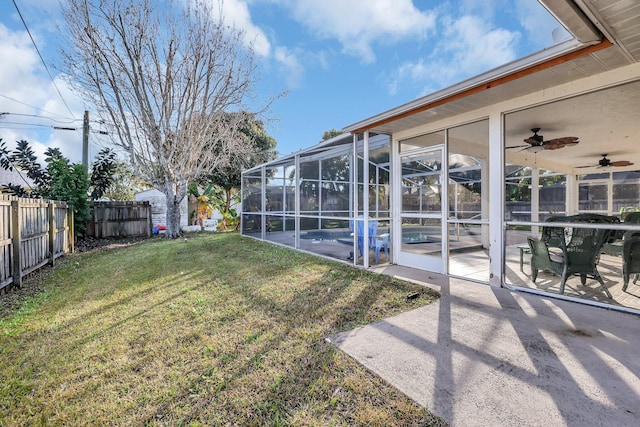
(614, 245)
(577, 249)
(632, 217)
(631, 260)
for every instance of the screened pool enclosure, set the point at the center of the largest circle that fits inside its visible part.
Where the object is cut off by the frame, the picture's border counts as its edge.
(314, 201)
(464, 202)
(309, 201)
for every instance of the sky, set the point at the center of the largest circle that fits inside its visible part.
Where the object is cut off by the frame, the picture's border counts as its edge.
(337, 61)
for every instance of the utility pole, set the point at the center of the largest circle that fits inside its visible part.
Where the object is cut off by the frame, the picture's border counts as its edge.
(85, 142)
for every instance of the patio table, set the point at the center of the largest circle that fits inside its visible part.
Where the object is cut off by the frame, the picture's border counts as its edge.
(524, 249)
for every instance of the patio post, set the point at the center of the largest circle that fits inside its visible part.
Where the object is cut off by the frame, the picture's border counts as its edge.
(496, 193)
(365, 198)
(297, 200)
(354, 195)
(263, 216)
(571, 197)
(535, 198)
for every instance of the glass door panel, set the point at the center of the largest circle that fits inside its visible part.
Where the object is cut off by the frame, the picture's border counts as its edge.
(468, 172)
(421, 210)
(422, 236)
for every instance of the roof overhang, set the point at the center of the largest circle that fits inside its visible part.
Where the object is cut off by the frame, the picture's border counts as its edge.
(492, 79)
(574, 20)
(587, 54)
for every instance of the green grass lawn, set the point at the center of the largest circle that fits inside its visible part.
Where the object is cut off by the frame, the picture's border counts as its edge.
(214, 330)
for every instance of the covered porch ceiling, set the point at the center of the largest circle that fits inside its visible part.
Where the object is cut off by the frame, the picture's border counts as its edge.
(607, 121)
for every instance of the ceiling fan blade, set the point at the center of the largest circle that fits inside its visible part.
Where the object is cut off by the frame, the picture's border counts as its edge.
(621, 163)
(564, 140)
(517, 146)
(554, 144)
(586, 166)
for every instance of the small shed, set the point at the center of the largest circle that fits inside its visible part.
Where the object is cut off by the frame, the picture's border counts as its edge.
(158, 203)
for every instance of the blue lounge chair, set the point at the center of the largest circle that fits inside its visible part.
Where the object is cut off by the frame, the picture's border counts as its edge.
(382, 242)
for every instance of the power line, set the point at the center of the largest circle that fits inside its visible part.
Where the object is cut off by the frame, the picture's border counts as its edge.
(39, 117)
(26, 124)
(21, 125)
(28, 105)
(42, 59)
(33, 126)
(69, 120)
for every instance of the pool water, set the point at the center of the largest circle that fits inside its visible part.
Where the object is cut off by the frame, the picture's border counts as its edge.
(326, 235)
(409, 237)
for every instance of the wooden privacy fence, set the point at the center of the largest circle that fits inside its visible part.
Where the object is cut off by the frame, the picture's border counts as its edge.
(120, 219)
(33, 232)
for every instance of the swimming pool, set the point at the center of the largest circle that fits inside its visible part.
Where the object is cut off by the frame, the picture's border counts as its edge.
(326, 235)
(415, 237)
(408, 236)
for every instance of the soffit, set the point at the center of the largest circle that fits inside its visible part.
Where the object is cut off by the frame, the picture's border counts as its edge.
(618, 20)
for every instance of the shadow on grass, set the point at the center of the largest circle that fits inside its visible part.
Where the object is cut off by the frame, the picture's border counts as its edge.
(238, 338)
(315, 381)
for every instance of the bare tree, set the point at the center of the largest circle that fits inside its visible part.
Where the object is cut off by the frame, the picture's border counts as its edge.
(163, 73)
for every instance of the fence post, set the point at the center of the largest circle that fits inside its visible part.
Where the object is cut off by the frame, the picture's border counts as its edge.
(149, 219)
(72, 232)
(94, 208)
(16, 242)
(52, 231)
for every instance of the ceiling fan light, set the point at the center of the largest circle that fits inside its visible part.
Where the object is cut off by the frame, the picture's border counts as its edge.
(535, 148)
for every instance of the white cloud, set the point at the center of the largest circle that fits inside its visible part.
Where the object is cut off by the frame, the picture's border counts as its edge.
(392, 87)
(18, 64)
(484, 8)
(27, 90)
(539, 24)
(70, 142)
(468, 46)
(289, 60)
(475, 46)
(357, 24)
(236, 14)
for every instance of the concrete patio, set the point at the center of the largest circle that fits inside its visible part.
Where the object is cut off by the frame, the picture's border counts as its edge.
(489, 356)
